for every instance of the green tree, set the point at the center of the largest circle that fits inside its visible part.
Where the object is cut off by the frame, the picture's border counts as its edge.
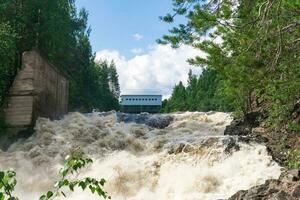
(177, 102)
(191, 92)
(258, 53)
(114, 80)
(61, 34)
(107, 99)
(203, 93)
(7, 55)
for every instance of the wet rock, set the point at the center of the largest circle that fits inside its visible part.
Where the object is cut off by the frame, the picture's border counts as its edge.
(237, 127)
(188, 148)
(152, 120)
(253, 138)
(286, 188)
(243, 126)
(296, 192)
(176, 148)
(280, 196)
(231, 145)
(290, 175)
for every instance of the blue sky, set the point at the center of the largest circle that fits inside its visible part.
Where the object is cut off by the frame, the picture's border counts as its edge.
(115, 22)
(126, 31)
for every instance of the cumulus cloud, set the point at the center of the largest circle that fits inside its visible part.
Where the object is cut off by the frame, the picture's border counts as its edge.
(137, 50)
(155, 72)
(137, 36)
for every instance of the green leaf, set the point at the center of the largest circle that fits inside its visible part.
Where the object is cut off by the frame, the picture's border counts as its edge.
(49, 194)
(2, 174)
(60, 184)
(1, 196)
(65, 182)
(92, 189)
(71, 186)
(43, 197)
(82, 185)
(102, 182)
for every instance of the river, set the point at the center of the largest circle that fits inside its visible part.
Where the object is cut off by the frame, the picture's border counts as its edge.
(190, 159)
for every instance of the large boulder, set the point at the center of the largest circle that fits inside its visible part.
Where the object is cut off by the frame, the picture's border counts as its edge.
(153, 120)
(244, 125)
(286, 188)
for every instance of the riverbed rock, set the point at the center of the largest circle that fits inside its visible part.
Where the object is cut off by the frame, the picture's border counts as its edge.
(231, 145)
(243, 126)
(176, 148)
(286, 188)
(296, 192)
(153, 120)
(290, 175)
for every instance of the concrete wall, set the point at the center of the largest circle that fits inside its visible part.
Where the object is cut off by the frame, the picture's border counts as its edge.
(149, 100)
(39, 90)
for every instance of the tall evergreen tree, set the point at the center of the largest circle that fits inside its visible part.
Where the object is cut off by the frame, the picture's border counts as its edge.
(191, 92)
(114, 80)
(258, 52)
(203, 93)
(177, 102)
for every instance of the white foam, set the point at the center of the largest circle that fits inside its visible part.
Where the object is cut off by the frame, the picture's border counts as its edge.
(184, 161)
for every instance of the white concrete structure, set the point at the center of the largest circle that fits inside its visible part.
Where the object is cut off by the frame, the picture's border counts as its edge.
(141, 100)
(141, 103)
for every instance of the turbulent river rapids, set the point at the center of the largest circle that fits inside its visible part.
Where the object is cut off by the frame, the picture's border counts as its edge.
(183, 156)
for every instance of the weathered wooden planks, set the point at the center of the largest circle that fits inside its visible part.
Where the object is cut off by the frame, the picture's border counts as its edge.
(19, 110)
(39, 90)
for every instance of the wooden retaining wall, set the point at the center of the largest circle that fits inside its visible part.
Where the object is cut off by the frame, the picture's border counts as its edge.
(39, 90)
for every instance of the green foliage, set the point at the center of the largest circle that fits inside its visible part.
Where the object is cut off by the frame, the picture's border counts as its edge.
(177, 101)
(61, 33)
(3, 125)
(7, 58)
(201, 94)
(294, 126)
(293, 160)
(7, 184)
(252, 45)
(114, 80)
(72, 165)
(107, 88)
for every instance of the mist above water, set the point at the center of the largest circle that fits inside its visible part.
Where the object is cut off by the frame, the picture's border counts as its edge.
(187, 160)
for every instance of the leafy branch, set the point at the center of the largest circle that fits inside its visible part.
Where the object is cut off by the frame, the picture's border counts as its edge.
(72, 165)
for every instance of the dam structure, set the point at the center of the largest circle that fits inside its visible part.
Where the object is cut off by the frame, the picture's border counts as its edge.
(39, 90)
(141, 103)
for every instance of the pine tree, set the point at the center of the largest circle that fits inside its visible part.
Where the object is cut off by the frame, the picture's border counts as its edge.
(201, 94)
(257, 53)
(177, 102)
(191, 92)
(114, 80)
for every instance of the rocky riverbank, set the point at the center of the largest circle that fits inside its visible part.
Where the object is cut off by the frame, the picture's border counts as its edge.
(286, 188)
(283, 145)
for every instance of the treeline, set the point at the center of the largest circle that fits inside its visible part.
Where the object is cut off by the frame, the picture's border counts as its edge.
(202, 93)
(252, 46)
(61, 33)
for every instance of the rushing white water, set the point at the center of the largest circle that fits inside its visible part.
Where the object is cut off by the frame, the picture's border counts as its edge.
(189, 159)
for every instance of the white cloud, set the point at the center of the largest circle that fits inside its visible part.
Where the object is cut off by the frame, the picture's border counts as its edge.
(155, 72)
(137, 50)
(137, 36)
